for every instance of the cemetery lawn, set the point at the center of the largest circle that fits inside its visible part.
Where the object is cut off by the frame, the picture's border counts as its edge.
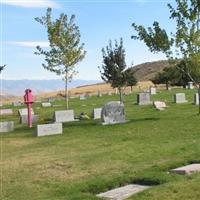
(89, 158)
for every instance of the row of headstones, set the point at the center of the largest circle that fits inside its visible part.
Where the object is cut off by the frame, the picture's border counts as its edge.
(145, 99)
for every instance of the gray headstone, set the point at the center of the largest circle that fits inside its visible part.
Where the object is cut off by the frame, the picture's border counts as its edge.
(49, 129)
(6, 112)
(143, 98)
(124, 192)
(196, 99)
(190, 85)
(64, 116)
(24, 111)
(113, 113)
(160, 105)
(6, 127)
(152, 90)
(24, 119)
(179, 98)
(188, 169)
(97, 113)
(18, 103)
(46, 104)
(82, 97)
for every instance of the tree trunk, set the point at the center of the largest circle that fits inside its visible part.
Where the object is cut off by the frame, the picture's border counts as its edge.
(120, 95)
(66, 92)
(199, 96)
(131, 88)
(167, 86)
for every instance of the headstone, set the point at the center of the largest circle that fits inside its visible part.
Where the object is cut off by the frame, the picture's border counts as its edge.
(82, 97)
(97, 113)
(113, 113)
(24, 111)
(152, 90)
(143, 98)
(64, 116)
(99, 94)
(109, 93)
(46, 104)
(188, 169)
(180, 98)
(49, 129)
(190, 85)
(6, 112)
(18, 103)
(51, 99)
(160, 105)
(6, 127)
(24, 119)
(124, 192)
(196, 99)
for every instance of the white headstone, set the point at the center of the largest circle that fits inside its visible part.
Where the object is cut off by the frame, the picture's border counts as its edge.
(46, 104)
(97, 113)
(152, 90)
(180, 98)
(24, 119)
(24, 111)
(64, 116)
(49, 129)
(82, 97)
(113, 113)
(160, 105)
(196, 99)
(6, 127)
(6, 112)
(190, 85)
(143, 98)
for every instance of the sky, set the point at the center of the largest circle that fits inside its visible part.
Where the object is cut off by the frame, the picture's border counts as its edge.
(99, 21)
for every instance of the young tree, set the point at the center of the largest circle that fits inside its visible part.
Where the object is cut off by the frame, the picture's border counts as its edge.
(185, 41)
(114, 66)
(65, 50)
(130, 78)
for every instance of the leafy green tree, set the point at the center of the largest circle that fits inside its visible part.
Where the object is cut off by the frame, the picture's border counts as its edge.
(65, 50)
(113, 69)
(2, 68)
(184, 44)
(130, 78)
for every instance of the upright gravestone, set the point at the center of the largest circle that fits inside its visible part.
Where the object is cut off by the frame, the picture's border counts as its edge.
(6, 127)
(152, 90)
(49, 129)
(113, 113)
(24, 119)
(196, 99)
(46, 104)
(24, 111)
(180, 98)
(144, 98)
(97, 113)
(99, 94)
(64, 116)
(82, 97)
(18, 103)
(190, 85)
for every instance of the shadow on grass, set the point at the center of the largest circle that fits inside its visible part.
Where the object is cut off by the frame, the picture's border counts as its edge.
(148, 182)
(143, 119)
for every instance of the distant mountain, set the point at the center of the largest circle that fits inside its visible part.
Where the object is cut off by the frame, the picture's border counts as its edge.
(17, 87)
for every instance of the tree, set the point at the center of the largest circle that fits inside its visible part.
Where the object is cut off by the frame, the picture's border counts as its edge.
(130, 78)
(181, 46)
(2, 68)
(114, 66)
(65, 50)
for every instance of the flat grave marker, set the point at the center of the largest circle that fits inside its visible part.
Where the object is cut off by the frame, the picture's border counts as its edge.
(122, 193)
(6, 112)
(46, 104)
(159, 105)
(188, 169)
(6, 127)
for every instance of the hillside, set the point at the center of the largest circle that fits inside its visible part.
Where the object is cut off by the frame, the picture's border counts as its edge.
(147, 71)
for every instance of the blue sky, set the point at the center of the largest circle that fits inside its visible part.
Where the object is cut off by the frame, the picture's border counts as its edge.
(98, 21)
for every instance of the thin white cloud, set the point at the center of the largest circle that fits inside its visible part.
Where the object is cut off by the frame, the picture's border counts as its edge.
(31, 3)
(30, 44)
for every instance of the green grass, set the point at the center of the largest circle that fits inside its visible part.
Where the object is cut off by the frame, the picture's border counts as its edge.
(89, 158)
